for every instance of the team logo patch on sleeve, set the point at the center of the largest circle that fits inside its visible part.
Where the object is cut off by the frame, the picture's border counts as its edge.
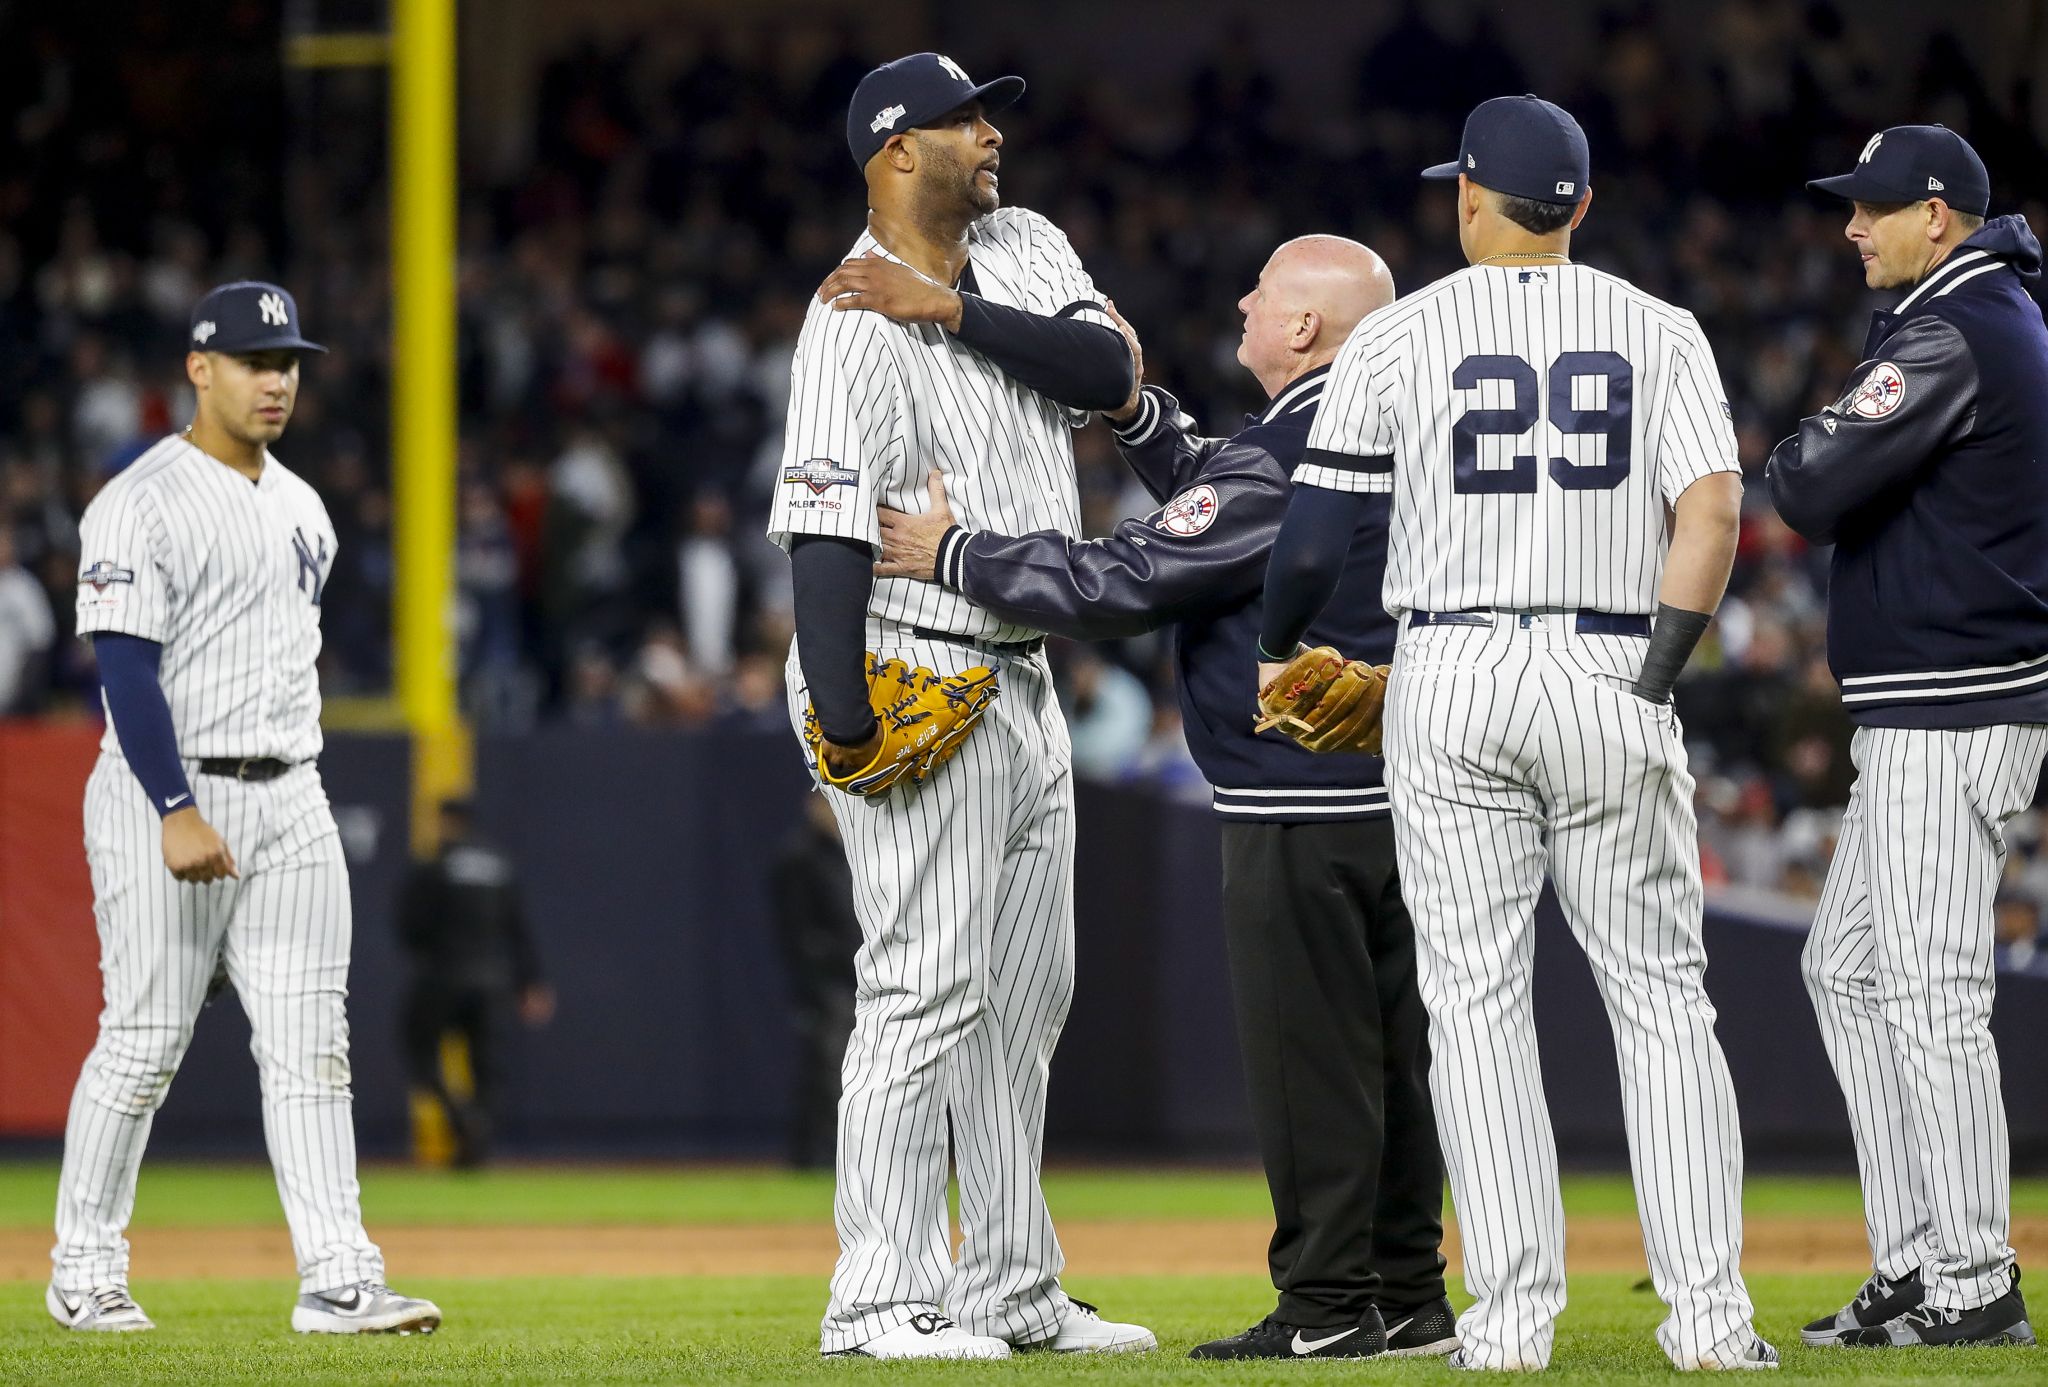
(1189, 513)
(1882, 391)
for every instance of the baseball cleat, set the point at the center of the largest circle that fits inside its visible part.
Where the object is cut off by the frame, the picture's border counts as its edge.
(1085, 1331)
(1882, 1298)
(1272, 1338)
(2003, 1321)
(1421, 1331)
(1758, 1357)
(367, 1307)
(927, 1334)
(103, 1310)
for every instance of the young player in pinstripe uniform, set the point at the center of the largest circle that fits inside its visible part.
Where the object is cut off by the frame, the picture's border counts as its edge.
(208, 833)
(968, 338)
(1536, 422)
(1930, 477)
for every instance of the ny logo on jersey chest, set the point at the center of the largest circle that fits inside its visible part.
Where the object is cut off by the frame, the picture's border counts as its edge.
(312, 564)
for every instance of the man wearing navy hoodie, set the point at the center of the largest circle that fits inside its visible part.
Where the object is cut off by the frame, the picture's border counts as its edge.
(1930, 477)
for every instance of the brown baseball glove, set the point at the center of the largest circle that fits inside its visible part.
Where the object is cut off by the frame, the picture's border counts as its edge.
(924, 717)
(1326, 702)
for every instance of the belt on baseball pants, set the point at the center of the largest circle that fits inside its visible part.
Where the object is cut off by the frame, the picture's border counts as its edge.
(250, 768)
(1030, 647)
(1586, 623)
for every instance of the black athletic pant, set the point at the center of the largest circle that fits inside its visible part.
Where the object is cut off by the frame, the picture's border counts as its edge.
(434, 1009)
(1336, 1052)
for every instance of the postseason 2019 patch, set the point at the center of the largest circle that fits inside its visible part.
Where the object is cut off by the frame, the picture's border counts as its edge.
(819, 478)
(102, 586)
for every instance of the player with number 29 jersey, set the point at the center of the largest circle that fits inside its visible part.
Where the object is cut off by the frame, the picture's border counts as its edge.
(1564, 501)
(1465, 370)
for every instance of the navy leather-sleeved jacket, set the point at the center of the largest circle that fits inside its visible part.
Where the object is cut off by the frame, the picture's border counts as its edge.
(1930, 478)
(1197, 563)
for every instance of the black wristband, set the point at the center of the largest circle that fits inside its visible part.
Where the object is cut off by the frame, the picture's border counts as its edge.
(1671, 644)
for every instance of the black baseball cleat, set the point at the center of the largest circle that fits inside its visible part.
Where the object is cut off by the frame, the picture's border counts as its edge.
(1882, 1298)
(2003, 1321)
(1420, 1331)
(1271, 1338)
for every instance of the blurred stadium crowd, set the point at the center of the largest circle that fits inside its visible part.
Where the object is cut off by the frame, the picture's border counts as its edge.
(631, 290)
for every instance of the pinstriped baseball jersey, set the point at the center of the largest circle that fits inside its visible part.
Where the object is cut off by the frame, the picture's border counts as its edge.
(874, 405)
(1532, 422)
(226, 574)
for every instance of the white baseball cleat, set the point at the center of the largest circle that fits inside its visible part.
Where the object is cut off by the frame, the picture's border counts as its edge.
(104, 1310)
(927, 1334)
(1759, 1356)
(367, 1307)
(1085, 1331)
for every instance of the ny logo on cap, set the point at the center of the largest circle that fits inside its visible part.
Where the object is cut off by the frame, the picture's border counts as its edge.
(952, 67)
(886, 120)
(1871, 148)
(272, 308)
(204, 331)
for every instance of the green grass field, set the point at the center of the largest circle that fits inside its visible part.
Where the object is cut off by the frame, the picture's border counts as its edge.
(763, 1329)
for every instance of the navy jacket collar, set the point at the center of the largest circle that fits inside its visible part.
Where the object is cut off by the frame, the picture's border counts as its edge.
(1297, 403)
(2001, 243)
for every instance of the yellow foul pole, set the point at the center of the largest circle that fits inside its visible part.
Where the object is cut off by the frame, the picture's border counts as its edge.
(423, 394)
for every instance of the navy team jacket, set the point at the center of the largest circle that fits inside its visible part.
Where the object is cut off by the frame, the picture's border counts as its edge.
(1198, 562)
(1930, 478)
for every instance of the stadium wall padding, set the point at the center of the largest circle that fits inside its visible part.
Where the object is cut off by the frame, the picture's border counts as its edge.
(645, 857)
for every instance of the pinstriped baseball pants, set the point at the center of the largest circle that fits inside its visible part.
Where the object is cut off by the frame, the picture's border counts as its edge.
(284, 931)
(1513, 749)
(1900, 971)
(964, 891)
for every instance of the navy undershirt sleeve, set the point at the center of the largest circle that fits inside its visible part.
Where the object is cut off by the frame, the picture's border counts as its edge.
(142, 717)
(1080, 365)
(832, 578)
(1307, 563)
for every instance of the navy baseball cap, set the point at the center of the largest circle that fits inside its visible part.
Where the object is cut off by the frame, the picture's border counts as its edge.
(1911, 163)
(916, 90)
(1522, 146)
(248, 316)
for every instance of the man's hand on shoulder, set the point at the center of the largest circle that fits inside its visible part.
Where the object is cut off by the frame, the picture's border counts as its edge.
(910, 543)
(897, 292)
(194, 849)
(1128, 410)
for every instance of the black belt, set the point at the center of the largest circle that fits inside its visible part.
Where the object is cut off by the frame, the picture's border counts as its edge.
(252, 768)
(1030, 647)
(1586, 623)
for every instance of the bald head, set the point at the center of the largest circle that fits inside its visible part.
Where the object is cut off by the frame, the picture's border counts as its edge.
(1313, 291)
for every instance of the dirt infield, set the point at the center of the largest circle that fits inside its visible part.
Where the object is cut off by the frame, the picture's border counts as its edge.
(1094, 1247)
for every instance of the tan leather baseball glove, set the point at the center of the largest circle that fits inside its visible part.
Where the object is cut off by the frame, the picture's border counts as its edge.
(1326, 702)
(924, 717)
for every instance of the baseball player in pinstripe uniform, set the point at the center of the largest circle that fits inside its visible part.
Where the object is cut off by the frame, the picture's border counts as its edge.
(1536, 425)
(1322, 954)
(1930, 478)
(963, 337)
(208, 833)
